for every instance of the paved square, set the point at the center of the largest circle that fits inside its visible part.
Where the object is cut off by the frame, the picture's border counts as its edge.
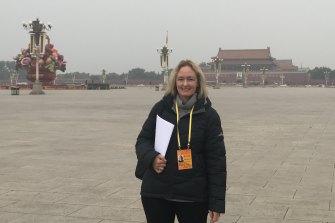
(68, 156)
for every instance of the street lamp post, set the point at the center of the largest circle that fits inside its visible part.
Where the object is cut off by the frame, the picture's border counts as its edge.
(263, 75)
(104, 76)
(217, 67)
(37, 33)
(245, 68)
(308, 78)
(164, 58)
(126, 77)
(55, 80)
(282, 76)
(326, 77)
(13, 75)
(73, 77)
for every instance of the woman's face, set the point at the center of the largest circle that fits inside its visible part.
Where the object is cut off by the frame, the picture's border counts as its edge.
(186, 82)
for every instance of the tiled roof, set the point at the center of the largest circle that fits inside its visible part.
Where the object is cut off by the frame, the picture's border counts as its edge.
(245, 54)
(248, 61)
(285, 65)
(284, 62)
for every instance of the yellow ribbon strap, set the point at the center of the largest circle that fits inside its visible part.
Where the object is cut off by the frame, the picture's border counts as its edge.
(189, 127)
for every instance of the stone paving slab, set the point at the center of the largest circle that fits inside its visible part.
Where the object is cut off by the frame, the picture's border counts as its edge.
(311, 214)
(68, 156)
(272, 220)
(106, 212)
(35, 207)
(320, 204)
(10, 217)
(32, 196)
(52, 219)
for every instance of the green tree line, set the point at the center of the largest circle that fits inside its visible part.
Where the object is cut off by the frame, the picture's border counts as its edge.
(6, 67)
(321, 73)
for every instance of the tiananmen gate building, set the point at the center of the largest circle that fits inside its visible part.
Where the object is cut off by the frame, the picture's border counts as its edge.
(257, 60)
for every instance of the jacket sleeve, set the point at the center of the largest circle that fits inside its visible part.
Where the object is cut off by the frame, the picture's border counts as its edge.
(145, 151)
(215, 155)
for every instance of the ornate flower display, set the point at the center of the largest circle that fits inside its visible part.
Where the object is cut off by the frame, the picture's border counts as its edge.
(50, 60)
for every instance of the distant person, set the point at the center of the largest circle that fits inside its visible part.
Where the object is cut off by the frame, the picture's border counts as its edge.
(195, 186)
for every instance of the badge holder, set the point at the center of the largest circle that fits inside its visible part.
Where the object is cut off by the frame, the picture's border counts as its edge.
(184, 157)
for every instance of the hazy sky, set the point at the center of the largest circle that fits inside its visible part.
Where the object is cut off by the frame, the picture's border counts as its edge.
(118, 35)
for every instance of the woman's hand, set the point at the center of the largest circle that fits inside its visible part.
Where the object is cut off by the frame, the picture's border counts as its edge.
(159, 163)
(214, 216)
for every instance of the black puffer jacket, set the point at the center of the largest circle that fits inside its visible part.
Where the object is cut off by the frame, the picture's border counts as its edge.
(206, 182)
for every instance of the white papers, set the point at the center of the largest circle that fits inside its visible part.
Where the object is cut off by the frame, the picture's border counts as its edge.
(163, 134)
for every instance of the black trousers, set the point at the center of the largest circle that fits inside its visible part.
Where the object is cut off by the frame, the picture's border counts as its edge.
(164, 211)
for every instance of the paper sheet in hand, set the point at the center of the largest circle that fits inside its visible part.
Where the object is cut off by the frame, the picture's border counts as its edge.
(163, 134)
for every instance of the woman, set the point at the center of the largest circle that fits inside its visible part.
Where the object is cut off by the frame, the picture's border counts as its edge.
(190, 181)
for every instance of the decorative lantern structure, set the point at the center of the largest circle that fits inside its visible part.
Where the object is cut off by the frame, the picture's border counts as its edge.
(245, 68)
(36, 48)
(263, 75)
(164, 61)
(217, 67)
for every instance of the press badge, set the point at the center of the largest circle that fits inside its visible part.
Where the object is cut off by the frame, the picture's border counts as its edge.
(184, 157)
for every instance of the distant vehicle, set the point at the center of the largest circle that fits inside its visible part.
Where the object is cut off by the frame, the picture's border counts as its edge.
(283, 85)
(22, 83)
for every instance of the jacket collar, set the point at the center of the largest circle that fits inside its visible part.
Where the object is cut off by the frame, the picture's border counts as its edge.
(200, 104)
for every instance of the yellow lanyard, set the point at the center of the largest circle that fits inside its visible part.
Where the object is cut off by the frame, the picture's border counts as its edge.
(189, 127)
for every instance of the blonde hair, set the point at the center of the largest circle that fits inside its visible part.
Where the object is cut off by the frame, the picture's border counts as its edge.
(172, 88)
